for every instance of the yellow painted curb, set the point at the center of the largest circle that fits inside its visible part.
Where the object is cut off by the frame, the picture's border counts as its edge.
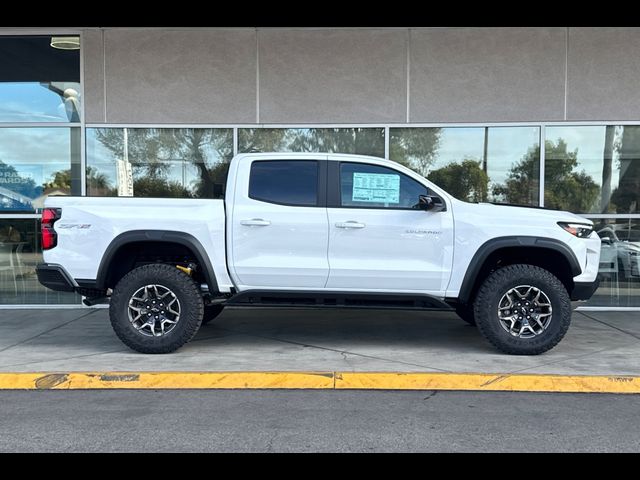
(488, 382)
(319, 380)
(165, 380)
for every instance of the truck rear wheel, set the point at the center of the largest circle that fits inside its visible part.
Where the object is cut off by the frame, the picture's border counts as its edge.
(156, 309)
(522, 310)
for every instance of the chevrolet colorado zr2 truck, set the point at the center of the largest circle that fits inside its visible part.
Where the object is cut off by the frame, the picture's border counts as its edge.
(320, 231)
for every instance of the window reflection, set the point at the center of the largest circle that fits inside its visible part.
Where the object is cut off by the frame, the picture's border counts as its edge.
(363, 141)
(36, 163)
(39, 82)
(593, 169)
(619, 268)
(19, 253)
(158, 162)
(496, 164)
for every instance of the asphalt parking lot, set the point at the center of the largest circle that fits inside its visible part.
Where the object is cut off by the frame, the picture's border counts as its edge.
(316, 421)
(598, 343)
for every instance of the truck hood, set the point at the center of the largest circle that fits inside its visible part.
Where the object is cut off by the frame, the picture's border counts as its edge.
(528, 214)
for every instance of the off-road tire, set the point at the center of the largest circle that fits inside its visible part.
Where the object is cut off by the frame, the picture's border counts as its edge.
(185, 289)
(498, 284)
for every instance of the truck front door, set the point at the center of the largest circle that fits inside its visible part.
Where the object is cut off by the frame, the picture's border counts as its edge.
(378, 239)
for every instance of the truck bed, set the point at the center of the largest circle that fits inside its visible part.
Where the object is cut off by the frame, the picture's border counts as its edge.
(89, 224)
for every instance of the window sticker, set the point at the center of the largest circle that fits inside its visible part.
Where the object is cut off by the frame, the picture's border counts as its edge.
(376, 188)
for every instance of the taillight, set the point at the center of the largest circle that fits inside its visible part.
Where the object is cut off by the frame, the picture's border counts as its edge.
(49, 235)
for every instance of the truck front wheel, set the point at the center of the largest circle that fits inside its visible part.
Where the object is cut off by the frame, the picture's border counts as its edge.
(156, 309)
(522, 310)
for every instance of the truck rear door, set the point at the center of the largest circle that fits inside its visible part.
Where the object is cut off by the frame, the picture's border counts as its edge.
(279, 227)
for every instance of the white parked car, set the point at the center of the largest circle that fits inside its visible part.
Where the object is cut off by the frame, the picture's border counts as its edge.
(318, 231)
(619, 256)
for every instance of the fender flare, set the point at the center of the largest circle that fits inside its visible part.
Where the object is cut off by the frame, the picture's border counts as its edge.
(180, 238)
(494, 244)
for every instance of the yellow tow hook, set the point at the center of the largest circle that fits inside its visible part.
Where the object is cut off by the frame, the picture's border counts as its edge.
(186, 270)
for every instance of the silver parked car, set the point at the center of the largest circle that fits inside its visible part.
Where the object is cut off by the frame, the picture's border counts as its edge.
(617, 256)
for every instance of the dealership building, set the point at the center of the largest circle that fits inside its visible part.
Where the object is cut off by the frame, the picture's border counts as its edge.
(546, 117)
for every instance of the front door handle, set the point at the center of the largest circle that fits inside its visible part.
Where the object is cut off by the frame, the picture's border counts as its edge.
(350, 224)
(255, 222)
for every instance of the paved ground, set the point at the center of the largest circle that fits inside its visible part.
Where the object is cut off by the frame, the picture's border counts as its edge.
(265, 421)
(334, 340)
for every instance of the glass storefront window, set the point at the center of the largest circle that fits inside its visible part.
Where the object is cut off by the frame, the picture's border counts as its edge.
(39, 83)
(36, 163)
(593, 169)
(158, 162)
(619, 263)
(588, 169)
(475, 164)
(19, 253)
(40, 79)
(362, 141)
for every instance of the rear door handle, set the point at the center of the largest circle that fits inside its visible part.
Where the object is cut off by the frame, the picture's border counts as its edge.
(255, 222)
(350, 224)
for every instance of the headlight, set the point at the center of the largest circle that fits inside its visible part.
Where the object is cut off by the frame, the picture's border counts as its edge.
(580, 230)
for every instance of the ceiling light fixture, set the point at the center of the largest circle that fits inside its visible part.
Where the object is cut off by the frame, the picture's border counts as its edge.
(66, 43)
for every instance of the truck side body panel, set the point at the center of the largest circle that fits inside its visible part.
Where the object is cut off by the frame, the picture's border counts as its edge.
(89, 224)
(477, 224)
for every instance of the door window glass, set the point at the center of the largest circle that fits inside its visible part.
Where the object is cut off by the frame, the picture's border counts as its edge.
(372, 186)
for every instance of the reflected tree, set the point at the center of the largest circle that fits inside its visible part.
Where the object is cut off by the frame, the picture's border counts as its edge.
(261, 140)
(466, 181)
(159, 187)
(626, 197)
(153, 152)
(565, 189)
(193, 145)
(97, 183)
(61, 181)
(415, 148)
(363, 141)
(522, 182)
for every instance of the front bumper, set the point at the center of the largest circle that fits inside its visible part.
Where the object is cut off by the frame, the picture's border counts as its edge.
(584, 290)
(55, 277)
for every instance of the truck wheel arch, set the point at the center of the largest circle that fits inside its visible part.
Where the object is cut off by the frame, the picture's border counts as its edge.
(166, 236)
(520, 243)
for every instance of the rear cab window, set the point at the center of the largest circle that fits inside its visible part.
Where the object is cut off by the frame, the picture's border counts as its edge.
(285, 182)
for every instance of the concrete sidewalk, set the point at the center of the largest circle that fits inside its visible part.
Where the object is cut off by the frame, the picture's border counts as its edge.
(598, 343)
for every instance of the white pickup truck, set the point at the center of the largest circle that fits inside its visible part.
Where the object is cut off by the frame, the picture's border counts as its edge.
(318, 231)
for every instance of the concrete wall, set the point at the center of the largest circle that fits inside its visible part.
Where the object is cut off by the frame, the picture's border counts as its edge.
(393, 75)
(603, 73)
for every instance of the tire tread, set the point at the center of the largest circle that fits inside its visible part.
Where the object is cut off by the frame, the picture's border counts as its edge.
(190, 325)
(493, 285)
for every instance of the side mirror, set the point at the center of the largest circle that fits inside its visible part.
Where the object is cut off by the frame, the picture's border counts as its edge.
(431, 203)
(606, 240)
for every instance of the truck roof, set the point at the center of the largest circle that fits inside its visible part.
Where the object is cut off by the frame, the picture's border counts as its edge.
(311, 156)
